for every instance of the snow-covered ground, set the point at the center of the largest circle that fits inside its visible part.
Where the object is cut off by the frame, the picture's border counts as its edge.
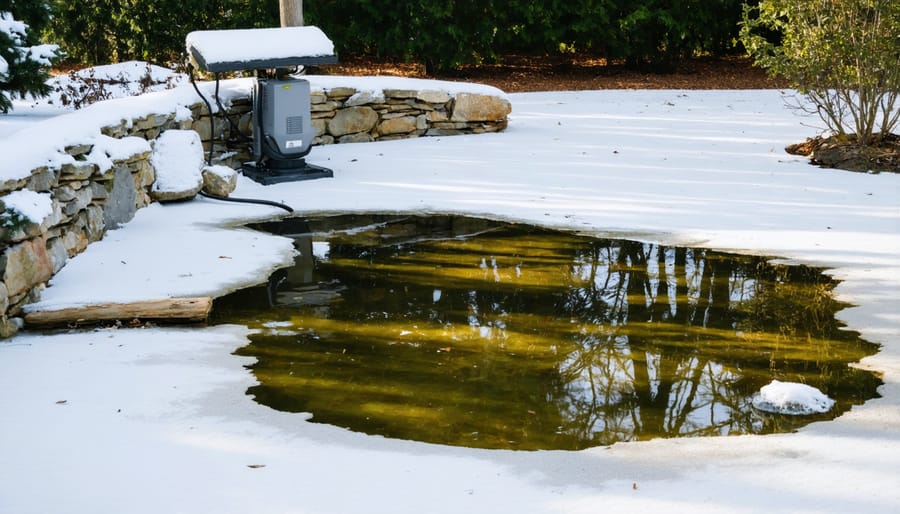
(156, 419)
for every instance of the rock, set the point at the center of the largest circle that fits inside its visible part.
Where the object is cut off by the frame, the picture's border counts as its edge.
(116, 131)
(473, 107)
(352, 120)
(219, 180)
(364, 98)
(9, 326)
(792, 398)
(320, 125)
(145, 175)
(433, 97)
(77, 171)
(121, 200)
(203, 128)
(341, 92)
(362, 137)
(82, 198)
(78, 150)
(95, 227)
(75, 241)
(42, 179)
(328, 106)
(437, 117)
(58, 255)
(400, 93)
(151, 121)
(8, 186)
(177, 160)
(397, 125)
(4, 298)
(27, 264)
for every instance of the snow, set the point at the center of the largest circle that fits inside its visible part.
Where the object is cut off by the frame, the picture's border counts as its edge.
(43, 54)
(42, 144)
(215, 48)
(13, 28)
(157, 419)
(792, 398)
(17, 31)
(375, 85)
(223, 172)
(177, 159)
(35, 207)
(110, 81)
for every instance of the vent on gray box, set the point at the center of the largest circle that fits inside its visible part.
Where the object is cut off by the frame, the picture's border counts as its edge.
(294, 124)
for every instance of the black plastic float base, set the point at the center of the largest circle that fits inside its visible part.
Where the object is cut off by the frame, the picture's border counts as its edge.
(266, 175)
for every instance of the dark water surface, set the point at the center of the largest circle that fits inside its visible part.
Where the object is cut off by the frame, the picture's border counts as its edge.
(476, 333)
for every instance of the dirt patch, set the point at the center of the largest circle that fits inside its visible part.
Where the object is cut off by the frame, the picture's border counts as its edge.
(525, 73)
(846, 154)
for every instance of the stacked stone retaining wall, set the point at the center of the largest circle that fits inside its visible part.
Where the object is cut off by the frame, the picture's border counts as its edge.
(89, 199)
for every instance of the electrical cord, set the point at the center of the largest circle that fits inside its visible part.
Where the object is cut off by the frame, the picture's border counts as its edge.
(246, 200)
(212, 121)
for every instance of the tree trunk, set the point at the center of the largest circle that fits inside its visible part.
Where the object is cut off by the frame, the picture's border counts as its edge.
(173, 309)
(291, 13)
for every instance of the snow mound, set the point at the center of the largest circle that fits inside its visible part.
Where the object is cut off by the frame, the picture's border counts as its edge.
(83, 87)
(792, 398)
(177, 159)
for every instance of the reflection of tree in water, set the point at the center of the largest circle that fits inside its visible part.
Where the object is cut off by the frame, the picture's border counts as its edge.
(585, 341)
(648, 388)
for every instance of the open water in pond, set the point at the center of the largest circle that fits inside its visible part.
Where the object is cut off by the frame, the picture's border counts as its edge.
(475, 333)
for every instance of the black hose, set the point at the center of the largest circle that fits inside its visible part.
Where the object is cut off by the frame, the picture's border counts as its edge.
(247, 200)
(212, 121)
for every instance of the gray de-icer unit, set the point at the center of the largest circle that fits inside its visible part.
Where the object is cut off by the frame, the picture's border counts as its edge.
(282, 130)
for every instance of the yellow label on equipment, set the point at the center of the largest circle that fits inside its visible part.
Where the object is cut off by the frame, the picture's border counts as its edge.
(286, 86)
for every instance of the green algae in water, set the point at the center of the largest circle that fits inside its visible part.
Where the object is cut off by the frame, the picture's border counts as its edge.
(475, 333)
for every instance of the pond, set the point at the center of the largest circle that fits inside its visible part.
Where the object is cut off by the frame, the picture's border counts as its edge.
(477, 333)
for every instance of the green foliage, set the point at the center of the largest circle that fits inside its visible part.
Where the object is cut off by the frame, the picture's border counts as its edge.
(23, 61)
(104, 31)
(445, 34)
(438, 33)
(658, 33)
(842, 54)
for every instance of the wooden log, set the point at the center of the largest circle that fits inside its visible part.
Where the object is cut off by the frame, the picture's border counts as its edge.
(170, 309)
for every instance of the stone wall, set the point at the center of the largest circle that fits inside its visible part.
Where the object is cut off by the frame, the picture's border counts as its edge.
(88, 199)
(344, 115)
(349, 115)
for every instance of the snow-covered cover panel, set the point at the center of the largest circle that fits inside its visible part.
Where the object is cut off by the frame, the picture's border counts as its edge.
(792, 398)
(253, 49)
